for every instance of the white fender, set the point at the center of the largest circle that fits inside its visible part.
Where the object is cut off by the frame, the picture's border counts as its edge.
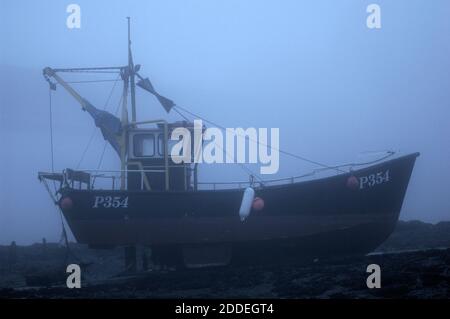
(246, 204)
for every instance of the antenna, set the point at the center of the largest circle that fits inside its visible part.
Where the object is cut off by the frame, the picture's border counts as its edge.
(129, 28)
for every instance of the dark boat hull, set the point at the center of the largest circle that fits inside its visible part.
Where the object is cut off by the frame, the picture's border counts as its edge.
(327, 216)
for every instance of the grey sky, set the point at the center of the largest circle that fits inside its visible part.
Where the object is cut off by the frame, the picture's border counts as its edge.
(312, 68)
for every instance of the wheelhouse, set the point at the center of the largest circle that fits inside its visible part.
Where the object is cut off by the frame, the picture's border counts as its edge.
(149, 164)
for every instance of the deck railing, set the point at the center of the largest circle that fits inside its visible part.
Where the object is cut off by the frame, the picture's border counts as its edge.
(93, 178)
(110, 179)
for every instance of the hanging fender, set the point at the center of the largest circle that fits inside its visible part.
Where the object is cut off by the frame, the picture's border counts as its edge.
(246, 204)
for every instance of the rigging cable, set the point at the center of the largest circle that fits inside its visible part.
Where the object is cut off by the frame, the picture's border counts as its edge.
(94, 131)
(63, 233)
(106, 143)
(273, 148)
(52, 152)
(241, 165)
(51, 128)
(181, 114)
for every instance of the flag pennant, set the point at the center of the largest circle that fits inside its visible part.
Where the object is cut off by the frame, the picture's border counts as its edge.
(166, 103)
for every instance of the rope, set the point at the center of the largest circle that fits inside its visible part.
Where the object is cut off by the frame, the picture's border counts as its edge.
(64, 237)
(273, 148)
(53, 166)
(51, 128)
(52, 155)
(63, 227)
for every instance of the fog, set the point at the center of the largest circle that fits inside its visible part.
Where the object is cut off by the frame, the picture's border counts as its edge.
(335, 88)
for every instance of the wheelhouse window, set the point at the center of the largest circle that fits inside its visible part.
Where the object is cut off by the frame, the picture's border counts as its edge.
(144, 145)
(161, 144)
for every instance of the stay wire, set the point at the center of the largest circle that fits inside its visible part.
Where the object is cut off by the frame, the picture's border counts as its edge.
(105, 144)
(271, 147)
(241, 165)
(94, 131)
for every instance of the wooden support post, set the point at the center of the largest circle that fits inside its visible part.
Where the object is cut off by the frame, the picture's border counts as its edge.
(144, 260)
(130, 259)
(44, 248)
(12, 256)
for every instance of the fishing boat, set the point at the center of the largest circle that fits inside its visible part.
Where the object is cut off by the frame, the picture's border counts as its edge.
(157, 202)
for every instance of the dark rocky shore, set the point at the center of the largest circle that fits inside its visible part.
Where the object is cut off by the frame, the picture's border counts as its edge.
(414, 261)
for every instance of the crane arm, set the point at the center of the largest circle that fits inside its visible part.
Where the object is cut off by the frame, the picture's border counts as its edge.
(109, 124)
(50, 73)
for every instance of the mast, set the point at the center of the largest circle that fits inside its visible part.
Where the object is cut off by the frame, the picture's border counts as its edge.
(123, 140)
(131, 71)
(128, 74)
(115, 130)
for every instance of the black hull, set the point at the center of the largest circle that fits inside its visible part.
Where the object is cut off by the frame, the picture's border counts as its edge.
(314, 218)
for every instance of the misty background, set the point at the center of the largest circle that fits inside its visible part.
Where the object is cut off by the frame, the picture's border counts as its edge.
(335, 88)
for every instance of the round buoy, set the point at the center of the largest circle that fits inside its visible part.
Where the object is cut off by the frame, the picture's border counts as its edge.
(66, 203)
(258, 203)
(353, 182)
